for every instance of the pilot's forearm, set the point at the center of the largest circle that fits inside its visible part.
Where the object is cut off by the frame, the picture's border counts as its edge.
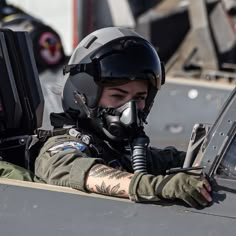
(108, 181)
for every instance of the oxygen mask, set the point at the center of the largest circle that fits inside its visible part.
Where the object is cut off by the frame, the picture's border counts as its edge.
(122, 123)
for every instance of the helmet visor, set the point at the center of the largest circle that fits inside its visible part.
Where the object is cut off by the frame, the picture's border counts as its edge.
(127, 61)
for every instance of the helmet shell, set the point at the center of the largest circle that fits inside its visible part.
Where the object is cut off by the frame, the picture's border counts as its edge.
(110, 55)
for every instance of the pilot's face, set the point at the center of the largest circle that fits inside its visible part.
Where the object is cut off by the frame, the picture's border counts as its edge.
(117, 95)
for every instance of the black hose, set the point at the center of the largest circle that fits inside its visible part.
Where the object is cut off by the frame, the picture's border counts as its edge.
(139, 154)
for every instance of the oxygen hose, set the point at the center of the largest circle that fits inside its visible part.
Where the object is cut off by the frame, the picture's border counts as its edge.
(139, 153)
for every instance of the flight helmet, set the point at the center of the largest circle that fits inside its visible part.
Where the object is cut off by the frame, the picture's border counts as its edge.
(112, 55)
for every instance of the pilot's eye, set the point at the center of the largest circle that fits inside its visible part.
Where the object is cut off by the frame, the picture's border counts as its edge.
(119, 96)
(140, 98)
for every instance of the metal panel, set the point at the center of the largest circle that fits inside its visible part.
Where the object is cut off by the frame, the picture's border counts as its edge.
(28, 211)
(179, 105)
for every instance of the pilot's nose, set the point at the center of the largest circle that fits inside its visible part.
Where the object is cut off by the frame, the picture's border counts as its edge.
(140, 105)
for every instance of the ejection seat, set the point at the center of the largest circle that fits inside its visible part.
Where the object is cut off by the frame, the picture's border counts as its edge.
(21, 97)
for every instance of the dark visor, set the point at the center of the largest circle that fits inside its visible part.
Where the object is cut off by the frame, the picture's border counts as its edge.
(130, 59)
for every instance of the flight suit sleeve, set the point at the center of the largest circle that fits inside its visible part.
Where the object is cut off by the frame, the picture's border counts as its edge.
(11, 171)
(64, 161)
(160, 160)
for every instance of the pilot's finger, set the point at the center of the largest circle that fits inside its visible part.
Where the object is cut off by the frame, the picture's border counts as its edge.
(206, 184)
(205, 194)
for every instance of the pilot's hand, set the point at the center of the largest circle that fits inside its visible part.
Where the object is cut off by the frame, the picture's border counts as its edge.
(192, 189)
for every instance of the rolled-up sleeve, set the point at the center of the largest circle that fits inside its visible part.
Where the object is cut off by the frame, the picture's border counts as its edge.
(67, 167)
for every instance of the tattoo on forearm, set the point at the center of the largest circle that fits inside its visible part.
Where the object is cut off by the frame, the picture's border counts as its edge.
(104, 171)
(119, 175)
(108, 190)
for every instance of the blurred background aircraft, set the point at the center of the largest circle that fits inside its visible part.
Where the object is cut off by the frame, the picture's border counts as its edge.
(195, 39)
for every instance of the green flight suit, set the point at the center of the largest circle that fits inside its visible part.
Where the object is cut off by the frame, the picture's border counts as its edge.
(65, 160)
(11, 171)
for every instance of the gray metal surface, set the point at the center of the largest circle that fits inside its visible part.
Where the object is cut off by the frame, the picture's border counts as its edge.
(28, 211)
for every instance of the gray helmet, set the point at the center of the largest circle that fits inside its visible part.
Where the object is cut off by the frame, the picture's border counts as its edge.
(107, 56)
